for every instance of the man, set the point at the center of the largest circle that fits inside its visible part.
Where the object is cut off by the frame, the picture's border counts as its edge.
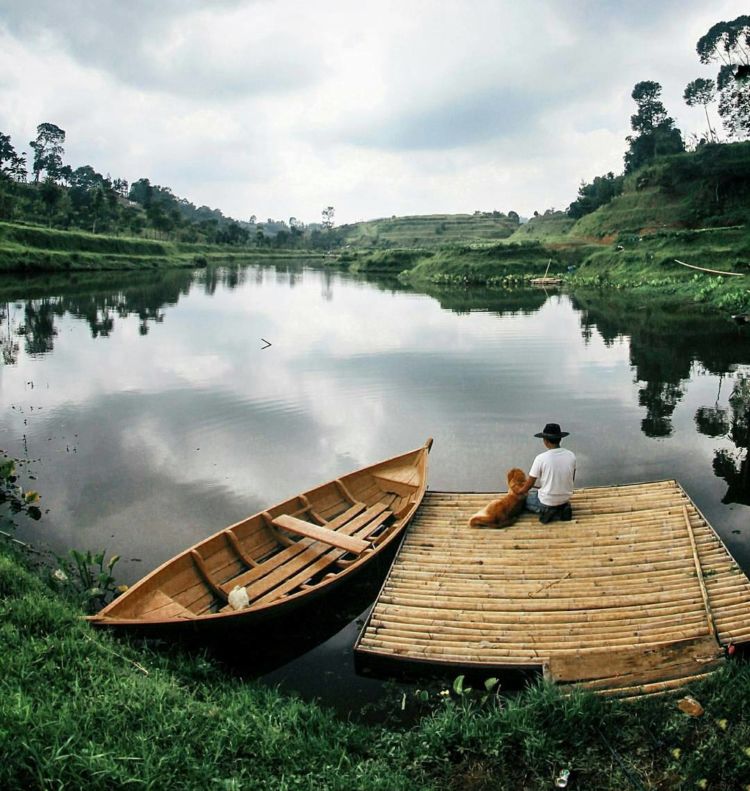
(553, 472)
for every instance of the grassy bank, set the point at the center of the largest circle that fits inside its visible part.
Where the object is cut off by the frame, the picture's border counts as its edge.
(691, 206)
(506, 262)
(83, 710)
(27, 248)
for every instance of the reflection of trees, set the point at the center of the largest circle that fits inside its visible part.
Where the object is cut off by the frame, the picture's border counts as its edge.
(663, 373)
(101, 298)
(8, 342)
(39, 325)
(732, 423)
(666, 340)
(97, 301)
(500, 301)
(660, 400)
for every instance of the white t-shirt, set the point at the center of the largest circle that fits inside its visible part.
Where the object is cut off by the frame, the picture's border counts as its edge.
(554, 471)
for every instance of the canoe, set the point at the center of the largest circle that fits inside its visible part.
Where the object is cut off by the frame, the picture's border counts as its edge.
(271, 563)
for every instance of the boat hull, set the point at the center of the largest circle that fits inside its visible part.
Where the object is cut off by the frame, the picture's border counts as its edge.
(284, 560)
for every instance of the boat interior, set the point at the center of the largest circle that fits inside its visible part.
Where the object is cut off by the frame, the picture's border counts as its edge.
(288, 550)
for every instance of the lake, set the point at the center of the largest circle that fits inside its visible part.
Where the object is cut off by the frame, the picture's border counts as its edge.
(154, 416)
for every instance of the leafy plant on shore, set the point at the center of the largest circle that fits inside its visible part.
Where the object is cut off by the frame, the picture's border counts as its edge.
(14, 499)
(88, 576)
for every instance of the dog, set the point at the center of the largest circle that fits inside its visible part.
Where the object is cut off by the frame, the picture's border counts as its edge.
(503, 512)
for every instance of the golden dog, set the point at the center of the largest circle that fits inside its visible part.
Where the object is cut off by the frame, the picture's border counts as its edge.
(503, 512)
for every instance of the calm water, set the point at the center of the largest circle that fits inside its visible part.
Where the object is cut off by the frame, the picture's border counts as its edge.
(154, 416)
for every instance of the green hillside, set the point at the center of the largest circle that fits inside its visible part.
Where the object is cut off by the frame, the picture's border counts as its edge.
(29, 248)
(707, 188)
(429, 230)
(548, 227)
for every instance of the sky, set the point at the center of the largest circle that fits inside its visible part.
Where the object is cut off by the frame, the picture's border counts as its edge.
(279, 108)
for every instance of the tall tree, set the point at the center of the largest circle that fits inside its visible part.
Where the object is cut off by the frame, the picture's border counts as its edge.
(12, 165)
(51, 196)
(728, 43)
(48, 151)
(327, 215)
(701, 91)
(7, 155)
(656, 132)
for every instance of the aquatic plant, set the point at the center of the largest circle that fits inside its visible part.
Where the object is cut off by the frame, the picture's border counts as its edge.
(14, 499)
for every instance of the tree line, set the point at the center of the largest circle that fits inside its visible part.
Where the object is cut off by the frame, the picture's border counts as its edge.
(654, 131)
(48, 191)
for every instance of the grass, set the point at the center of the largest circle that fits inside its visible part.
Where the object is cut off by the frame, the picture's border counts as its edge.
(551, 227)
(27, 248)
(83, 710)
(429, 230)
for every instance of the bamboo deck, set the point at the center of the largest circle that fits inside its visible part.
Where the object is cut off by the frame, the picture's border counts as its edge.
(636, 595)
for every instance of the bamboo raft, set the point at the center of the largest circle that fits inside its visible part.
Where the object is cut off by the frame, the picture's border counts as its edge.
(636, 595)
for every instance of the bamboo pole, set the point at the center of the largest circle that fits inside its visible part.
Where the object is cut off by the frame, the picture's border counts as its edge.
(711, 271)
(699, 574)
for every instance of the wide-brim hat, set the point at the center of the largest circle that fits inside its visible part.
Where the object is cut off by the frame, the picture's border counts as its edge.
(552, 431)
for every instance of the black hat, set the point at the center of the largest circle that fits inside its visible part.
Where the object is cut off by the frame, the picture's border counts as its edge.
(552, 431)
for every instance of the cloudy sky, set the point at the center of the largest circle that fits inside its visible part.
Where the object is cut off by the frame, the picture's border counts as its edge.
(281, 107)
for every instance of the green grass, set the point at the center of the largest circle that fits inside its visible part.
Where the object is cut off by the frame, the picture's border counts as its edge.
(78, 241)
(27, 248)
(81, 709)
(544, 228)
(429, 230)
(488, 264)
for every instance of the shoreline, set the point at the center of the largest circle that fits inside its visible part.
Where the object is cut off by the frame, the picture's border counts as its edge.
(88, 709)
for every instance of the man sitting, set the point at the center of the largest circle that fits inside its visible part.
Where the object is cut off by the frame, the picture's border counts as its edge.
(555, 471)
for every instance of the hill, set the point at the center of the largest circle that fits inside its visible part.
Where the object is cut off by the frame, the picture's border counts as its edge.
(707, 188)
(693, 206)
(429, 230)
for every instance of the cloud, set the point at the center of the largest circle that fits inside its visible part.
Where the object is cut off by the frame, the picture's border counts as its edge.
(229, 48)
(281, 108)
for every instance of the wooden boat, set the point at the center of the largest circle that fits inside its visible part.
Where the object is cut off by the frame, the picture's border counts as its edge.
(271, 563)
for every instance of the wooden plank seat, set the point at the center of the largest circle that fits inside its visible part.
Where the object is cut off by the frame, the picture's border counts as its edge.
(318, 533)
(295, 565)
(221, 589)
(160, 605)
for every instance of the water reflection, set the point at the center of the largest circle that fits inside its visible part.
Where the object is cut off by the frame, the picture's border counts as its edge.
(154, 415)
(731, 423)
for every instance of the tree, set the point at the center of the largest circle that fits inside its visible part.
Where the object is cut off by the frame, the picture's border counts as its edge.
(51, 195)
(701, 91)
(651, 112)
(729, 44)
(120, 186)
(48, 151)
(327, 214)
(142, 192)
(7, 155)
(12, 165)
(591, 196)
(657, 134)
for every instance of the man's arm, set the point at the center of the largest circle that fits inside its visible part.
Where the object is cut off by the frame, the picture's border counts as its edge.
(530, 481)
